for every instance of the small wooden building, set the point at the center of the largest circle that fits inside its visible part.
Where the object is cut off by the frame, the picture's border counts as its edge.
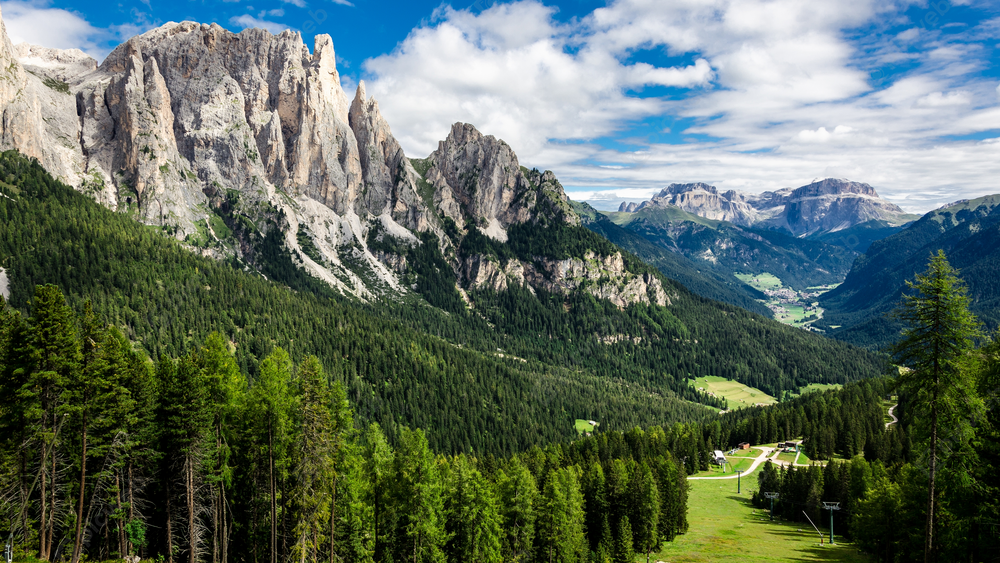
(744, 445)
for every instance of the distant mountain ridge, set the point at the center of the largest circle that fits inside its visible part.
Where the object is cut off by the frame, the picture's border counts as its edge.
(733, 249)
(825, 206)
(969, 233)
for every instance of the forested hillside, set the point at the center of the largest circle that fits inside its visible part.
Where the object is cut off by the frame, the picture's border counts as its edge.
(731, 249)
(401, 363)
(967, 231)
(104, 455)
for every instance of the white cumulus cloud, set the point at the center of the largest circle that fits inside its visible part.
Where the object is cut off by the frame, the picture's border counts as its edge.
(40, 24)
(247, 21)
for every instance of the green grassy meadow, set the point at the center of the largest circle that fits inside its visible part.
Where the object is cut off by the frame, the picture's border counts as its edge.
(789, 457)
(726, 527)
(818, 387)
(736, 394)
(752, 453)
(761, 281)
(583, 426)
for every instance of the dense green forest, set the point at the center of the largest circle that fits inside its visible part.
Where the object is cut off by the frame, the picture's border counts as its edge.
(153, 408)
(924, 488)
(473, 387)
(105, 454)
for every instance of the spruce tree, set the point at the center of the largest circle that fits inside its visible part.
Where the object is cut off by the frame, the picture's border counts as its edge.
(645, 505)
(624, 552)
(935, 353)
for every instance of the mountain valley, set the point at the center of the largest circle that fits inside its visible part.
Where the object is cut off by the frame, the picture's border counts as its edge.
(239, 323)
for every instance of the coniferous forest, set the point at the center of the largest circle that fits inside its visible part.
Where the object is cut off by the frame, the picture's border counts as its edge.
(109, 454)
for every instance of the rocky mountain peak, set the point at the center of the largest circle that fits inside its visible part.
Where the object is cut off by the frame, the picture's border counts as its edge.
(834, 186)
(477, 179)
(236, 143)
(704, 200)
(823, 206)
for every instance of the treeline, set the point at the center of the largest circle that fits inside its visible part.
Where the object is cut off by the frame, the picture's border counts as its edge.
(106, 454)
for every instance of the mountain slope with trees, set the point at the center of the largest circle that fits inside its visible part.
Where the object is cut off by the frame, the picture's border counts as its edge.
(401, 363)
(731, 249)
(967, 231)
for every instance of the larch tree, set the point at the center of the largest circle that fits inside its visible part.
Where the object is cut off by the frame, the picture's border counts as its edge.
(53, 357)
(518, 494)
(935, 352)
(270, 407)
(645, 510)
(314, 459)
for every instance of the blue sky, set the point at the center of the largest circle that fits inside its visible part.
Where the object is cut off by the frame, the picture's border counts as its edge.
(622, 97)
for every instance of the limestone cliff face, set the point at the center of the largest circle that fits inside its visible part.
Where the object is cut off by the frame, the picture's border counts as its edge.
(224, 139)
(604, 277)
(824, 206)
(185, 118)
(477, 178)
(21, 124)
(706, 201)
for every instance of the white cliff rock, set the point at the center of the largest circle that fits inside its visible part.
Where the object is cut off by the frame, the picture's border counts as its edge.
(189, 124)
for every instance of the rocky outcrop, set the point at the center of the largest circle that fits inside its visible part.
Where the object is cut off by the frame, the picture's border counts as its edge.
(477, 178)
(21, 124)
(824, 206)
(706, 201)
(604, 277)
(628, 207)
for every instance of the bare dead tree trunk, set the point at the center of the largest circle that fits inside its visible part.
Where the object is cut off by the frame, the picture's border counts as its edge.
(52, 495)
(121, 527)
(192, 533)
(225, 525)
(43, 552)
(215, 526)
(274, 500)
(170, 526)
(131, 503)
(78, 536)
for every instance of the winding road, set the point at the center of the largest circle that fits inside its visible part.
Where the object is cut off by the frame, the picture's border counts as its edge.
(894, 419)
(756, 463)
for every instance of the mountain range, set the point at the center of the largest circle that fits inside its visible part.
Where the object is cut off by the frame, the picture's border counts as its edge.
(826, 206)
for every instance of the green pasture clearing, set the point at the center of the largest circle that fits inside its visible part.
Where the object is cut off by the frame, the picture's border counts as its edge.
(816, 387)
(726, 527)
(761, 281)
(785, 456)
(735, 464)
(583, 426)
(823, 288)
(736, 394)
(738, 464)
(752, 452)
(792, 314)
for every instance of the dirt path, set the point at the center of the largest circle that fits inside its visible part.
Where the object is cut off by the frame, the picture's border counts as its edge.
(756, 463)
(894, 419)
